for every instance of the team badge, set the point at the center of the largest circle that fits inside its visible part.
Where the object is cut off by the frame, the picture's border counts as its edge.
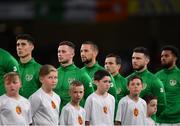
(80, 120)
(172, 82)
(53, 105)
(136, 112)
(18, 110)
(29, 77)
(105, 109)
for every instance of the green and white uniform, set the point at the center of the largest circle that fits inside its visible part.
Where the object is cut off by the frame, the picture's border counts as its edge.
(152, 86)
(92, 70)
(29, 73)
(7, 64)
(171, 81)
(68, 74)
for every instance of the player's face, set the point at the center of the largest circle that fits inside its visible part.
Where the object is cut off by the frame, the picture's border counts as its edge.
(65, 54)
(135, 86)
(87, 53)
(139, 61)
(77, 93)
(152, 107)
(104, 84)
(111, 66)
(24, 48)
(49, 81)
(12, 86)
(167, 58)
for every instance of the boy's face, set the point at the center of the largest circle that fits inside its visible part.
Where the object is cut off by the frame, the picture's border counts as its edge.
(12, 85)
(49, 81)
(135, 86)
(152, 107)
(77, 92)
(104, 84)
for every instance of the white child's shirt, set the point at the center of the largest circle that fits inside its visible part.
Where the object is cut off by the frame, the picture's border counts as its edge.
(130, 112)
(14, 111)
(72, 116)
(100, 110)
(45, 108)
(150, 121)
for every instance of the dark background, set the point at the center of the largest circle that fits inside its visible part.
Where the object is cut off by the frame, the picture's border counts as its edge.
(152, 29)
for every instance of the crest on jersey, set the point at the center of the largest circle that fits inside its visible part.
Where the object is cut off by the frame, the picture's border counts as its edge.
(105, 109)
(18, 110)
(172, 82)
(29, 77)
(136, 112)
(80, 120)
(53, 104)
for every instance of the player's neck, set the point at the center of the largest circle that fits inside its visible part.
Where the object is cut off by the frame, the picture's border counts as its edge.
(67, 64)
(25, 59)
(90, 64)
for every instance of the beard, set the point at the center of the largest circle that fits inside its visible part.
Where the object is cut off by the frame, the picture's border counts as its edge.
(87, 61)
(138, 68)
(166, 65)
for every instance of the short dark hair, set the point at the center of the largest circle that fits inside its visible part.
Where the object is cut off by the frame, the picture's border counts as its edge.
(134, 77)
(117, 57)
(27, 37)
(76, 83)
(148, 98)
(172, 48)
(98, 75)
(94, 46)
(143, 50)
(68, 43)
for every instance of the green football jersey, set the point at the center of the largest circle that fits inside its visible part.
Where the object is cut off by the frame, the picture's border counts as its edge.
(7, 64)
(152, 86)
(68, 74)
(171, 81)
(121, 86)
(29, 73)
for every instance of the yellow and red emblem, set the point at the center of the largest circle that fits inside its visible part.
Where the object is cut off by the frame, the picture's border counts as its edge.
(53, 104)
(18, 110)
(136, 112)
(80, 120)
(105, 109)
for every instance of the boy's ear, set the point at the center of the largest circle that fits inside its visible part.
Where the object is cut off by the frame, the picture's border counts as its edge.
(95, 82)
(40, 79)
